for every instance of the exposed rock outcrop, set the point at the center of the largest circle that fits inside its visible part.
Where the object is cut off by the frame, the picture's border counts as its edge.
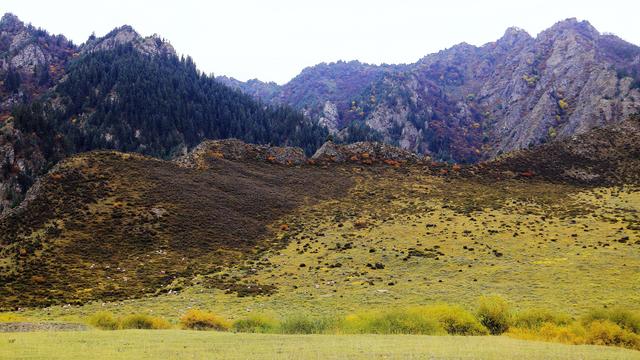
(363, 152)
(151, 45)
(237, 150)
(366, 153)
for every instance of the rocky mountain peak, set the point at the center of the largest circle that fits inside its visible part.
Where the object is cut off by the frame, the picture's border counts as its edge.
(571, 25)
(126, 34)
(514, 35)
(10, 23)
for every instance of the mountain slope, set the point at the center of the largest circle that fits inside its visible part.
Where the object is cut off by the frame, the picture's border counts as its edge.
(601, 156)
(123, 92)
(108, 225)
(469, 103)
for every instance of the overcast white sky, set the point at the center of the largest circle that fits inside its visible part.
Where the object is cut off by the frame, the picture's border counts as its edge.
(274, 40)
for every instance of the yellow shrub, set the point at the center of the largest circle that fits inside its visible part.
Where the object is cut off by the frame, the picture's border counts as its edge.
(624, 318)
(398, 321)
(11, 317)
(597, 332)
(535, 318)
(454, 319)
(201, 320)
(104, 320)
(605, 332)
(563, 104)
(493, 313)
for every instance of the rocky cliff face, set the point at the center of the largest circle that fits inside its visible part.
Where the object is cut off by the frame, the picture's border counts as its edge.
(470, 103)
(236, 150)
(151, 45)
(31, 60)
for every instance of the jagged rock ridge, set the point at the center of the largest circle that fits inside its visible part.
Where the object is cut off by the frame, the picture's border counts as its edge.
(469, 103)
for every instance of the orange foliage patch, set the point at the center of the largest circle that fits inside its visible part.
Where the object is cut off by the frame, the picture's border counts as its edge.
(393, 163)
(216, 155)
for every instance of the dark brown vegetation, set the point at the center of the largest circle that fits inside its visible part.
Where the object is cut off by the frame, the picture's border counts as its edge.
(108, 226)
(607, 155)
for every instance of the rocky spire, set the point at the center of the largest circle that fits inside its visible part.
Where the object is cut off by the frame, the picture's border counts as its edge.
(151, 45)
(10, 23)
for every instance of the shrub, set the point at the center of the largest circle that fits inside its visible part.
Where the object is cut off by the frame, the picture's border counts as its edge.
(455, 320)
(605, 332)
(303, 324)
(141, 321)
(201, 320)
(255, 324)
(573, 334)
(624, 318)
(104, 320)
(407, 321)
(493, 313)
(597, 332)
(536, 318)
(10, 317)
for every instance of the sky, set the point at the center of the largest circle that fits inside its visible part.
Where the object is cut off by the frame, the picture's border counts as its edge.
(273, 40)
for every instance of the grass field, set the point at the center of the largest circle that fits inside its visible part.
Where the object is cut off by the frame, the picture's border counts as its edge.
(176, 344)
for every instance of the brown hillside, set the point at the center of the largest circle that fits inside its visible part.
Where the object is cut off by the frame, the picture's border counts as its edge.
(107, 225)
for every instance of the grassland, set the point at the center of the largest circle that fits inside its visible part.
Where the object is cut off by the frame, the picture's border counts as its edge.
(396, 238)
(411, 239)
(175, 344)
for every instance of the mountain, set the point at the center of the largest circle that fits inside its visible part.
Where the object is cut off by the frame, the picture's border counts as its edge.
(121, 91)
(469, 103)
(106, 225)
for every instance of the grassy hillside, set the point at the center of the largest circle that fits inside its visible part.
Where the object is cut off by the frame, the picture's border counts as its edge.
(173, 344)
(401, 237)
(110, 226)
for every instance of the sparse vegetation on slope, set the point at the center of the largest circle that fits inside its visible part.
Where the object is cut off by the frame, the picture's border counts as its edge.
(110, 226)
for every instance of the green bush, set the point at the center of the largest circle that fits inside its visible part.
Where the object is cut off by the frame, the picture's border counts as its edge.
(255, 324)
(202, 320)
(493, 313)
(303, 324)
(624, 318)
(535, 318)
(104, 320)
(141, 321)
(404, 321)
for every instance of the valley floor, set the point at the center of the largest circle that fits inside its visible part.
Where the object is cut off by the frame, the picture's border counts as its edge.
(180, 344)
